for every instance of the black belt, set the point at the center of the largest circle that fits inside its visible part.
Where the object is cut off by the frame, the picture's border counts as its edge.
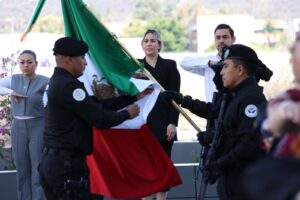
(68, 153)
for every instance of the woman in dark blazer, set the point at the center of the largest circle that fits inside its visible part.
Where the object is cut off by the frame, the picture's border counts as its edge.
(163, 119)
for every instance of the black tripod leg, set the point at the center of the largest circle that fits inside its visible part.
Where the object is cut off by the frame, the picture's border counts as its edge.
(203, 183)
(202, 189)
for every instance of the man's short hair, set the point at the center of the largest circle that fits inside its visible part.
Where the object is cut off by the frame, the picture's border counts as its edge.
(225, 26)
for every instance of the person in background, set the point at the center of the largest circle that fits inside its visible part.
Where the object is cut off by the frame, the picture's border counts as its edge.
(277, 176)
(26, 91)
(224, 36)
(163, 119)
(70, 115)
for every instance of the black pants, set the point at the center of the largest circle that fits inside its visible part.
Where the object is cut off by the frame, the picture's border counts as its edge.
(64, 176)
(230, 187)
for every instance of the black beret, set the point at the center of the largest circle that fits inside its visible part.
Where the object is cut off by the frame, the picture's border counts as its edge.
(69, 46)
(242, 52)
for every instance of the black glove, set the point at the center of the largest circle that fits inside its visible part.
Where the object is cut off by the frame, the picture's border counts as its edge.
(204, 138)
(211, 172)
(170, 95)
(217, 79)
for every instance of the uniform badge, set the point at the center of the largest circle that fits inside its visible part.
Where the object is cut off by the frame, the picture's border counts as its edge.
(79, 94)
(251, 111)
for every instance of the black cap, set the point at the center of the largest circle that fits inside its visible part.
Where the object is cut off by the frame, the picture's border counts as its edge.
(69, 46)
(242, 52)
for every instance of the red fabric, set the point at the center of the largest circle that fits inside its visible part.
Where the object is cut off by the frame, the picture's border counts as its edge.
(289, 146)
(294, 94)
(129, 163)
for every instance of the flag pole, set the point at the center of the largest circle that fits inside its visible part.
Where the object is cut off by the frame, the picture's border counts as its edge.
(149, 75)
(34, 17)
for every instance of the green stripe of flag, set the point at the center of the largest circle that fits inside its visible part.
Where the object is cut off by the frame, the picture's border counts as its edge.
(34, 17)
(112, 61)
(107, 54)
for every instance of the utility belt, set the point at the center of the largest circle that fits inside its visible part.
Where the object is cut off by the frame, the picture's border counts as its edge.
(66, 153)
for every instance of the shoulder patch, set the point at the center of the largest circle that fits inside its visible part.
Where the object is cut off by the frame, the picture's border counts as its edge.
(79, 94)
(251, 111)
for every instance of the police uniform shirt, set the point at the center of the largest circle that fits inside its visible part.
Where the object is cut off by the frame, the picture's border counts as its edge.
(70, 114)
(240, 141)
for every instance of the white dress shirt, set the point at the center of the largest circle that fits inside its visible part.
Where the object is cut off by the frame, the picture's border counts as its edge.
(199, 65)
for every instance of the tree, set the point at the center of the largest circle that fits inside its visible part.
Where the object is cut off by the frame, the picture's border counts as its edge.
(51, 24)
(135, 28)
(172, 33)
(269, 29)
(146, 9)
(186, 11)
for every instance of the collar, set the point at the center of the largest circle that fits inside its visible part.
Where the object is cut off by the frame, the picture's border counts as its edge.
(240, 86)
(63, 71)
(158, 60)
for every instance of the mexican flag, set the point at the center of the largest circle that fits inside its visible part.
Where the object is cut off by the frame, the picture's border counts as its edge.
(127, 160)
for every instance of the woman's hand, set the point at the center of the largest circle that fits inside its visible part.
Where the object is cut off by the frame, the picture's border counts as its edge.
(139, 74)
(171, 132)
(144, 93)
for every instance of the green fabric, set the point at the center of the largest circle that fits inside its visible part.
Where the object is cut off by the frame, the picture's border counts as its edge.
(35, 15)
(109, 57)
(107, 54)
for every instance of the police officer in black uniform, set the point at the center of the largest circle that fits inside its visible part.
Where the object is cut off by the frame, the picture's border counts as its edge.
(239, 142)
(70, 115)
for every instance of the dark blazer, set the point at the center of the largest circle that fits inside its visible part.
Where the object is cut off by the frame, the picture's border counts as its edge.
(167, 75)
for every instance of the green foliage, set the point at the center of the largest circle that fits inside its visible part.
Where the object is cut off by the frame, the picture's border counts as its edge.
(171, 30)
(8, 64)
(211, 48)
(276, 39)
(271, 33)
(269, 27)
(135, 28)
(281, 45)
(51, 24)
(146, 9)
(5, 121)
(6, 159)
(172, 33)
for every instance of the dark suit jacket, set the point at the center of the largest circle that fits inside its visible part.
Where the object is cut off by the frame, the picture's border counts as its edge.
(167, 74)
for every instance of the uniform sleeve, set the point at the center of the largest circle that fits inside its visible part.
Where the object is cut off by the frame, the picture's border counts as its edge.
(246, 139)
(118, 103)
(78, 101)
(174, 85)
(195, 65)
(5, 85)
(197, 107)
